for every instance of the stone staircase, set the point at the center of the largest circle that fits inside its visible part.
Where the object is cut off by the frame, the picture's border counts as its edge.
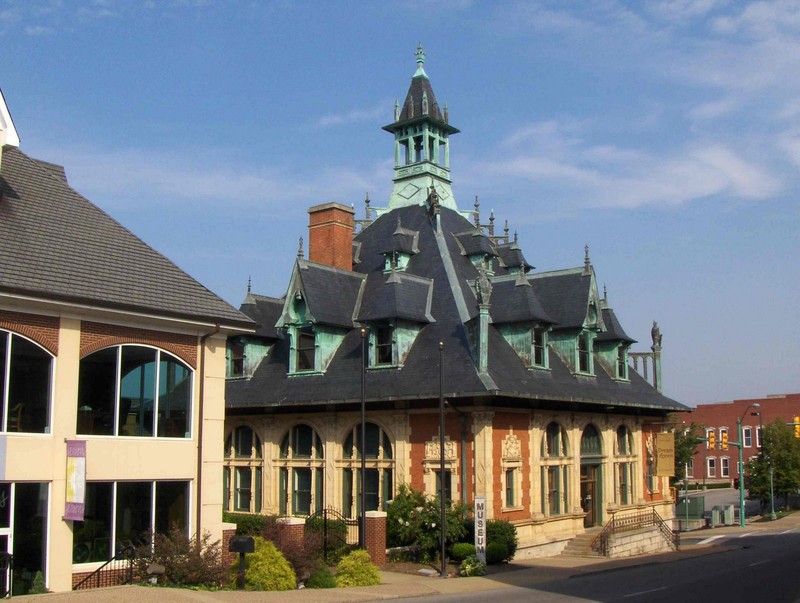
(581, 545)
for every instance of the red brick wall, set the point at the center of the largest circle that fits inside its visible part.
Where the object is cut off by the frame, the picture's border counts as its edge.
(95, 336)
(330, 235)
(423, 428)
(113, 577)
(41, 329)
(502, 425)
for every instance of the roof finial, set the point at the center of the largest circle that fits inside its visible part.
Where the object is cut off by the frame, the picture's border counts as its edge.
(367, 210)
(446, 115)
(515, 236)
(505, 230)
(300, 249)
(491, 223)
(477, 213)
(587, 263)
(420, 54)
(396, 110)
(605, 293)
(249, 283)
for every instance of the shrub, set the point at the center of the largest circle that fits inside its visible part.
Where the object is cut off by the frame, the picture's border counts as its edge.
(38, 587)
(322, 577)
(186, 561)
(462, 550)
(356, 569)
(267, 568)
(502, 532)
(248, 524)
(496, 552)
(413, 519)
(472, 567)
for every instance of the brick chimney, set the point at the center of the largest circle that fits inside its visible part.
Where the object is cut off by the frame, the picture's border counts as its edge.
(330, 235)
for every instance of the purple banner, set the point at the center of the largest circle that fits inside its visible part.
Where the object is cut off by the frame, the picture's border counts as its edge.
(76, 480)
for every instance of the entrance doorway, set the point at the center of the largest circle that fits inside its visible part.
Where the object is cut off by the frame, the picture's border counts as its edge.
(589, 495)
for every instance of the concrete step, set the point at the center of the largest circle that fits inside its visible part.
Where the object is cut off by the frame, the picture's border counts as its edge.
(581, 545)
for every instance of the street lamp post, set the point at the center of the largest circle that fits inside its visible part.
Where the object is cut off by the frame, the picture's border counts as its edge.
(740, 445)
(442, 491)
(363, 515)
(764, 455)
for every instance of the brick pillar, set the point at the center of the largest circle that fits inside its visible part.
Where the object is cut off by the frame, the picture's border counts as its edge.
(228, 558)
(291, 532)
(330, 235)
(375, 538)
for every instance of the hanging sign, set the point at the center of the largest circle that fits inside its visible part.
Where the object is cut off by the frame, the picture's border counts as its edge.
(76, 480)
(480, 528)
(665, 454)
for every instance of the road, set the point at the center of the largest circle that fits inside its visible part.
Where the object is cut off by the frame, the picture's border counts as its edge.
(747, 567)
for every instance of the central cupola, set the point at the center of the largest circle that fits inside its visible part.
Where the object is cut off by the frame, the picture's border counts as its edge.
(421, 145)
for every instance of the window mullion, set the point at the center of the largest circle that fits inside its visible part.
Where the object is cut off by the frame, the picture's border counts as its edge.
(156, 394)
(6, 381)
(113, 518)
(117, 392)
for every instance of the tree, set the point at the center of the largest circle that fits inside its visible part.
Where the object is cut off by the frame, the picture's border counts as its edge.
(782, 450)
(685, 447)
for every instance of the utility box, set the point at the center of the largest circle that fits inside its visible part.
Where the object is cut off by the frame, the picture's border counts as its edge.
(690, 507)
(242, 544)
(727, 515)
(716, 516)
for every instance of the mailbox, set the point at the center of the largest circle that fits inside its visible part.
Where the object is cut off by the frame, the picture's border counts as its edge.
(242, 544)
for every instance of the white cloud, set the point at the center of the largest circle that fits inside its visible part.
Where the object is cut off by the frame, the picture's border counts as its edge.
(115, 177)
(713, 109)
(383, 109)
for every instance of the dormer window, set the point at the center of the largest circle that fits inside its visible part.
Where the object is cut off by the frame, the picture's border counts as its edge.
(384, 345)
(622, 362)
(539, 341)
(305, 349)
(235, 358)
(584, 353)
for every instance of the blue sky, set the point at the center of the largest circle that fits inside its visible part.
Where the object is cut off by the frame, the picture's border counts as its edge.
(663, 134)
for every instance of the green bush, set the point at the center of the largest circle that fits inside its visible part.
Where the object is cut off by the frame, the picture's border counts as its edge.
(497, 530)
(414, 520)
(38, 587)
(267, 568)
(502, 532)
(462, 550)
(356, 569)
(186, 561)
(248, 524)
(472, 567)
(322, 577)
(496, 552)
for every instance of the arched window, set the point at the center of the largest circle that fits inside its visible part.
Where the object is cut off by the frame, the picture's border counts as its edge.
(379, 474)
(590, 442)
(25, 386)
(554, 470)
(133, 390)
(301, 471)
(624, 456)
(243, 470)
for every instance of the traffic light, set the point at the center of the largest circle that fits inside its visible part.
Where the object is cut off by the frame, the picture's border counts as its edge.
(724, 438)
(797, 427)
(712, 440)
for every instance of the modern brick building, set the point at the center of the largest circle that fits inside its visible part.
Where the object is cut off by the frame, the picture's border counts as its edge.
(113, 373)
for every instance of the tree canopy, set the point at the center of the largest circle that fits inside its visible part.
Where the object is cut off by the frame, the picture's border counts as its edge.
(782, 450)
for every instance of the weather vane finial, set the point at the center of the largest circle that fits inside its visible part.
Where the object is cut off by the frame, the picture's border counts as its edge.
(420, 55)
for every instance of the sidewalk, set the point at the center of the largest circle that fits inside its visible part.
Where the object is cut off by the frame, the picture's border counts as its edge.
(396, 585)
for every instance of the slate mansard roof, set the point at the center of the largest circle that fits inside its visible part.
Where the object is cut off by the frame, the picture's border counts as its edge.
(437, 290)
(55, 244)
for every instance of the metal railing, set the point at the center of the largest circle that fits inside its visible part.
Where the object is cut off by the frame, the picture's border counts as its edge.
(117, 570)
(629, 523)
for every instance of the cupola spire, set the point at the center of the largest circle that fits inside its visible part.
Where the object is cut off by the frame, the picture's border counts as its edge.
(421, 144)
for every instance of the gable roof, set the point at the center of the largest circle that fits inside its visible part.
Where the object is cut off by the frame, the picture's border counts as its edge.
(56, 244)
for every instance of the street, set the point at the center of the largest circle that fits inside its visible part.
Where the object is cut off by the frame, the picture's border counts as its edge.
(749, 567)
